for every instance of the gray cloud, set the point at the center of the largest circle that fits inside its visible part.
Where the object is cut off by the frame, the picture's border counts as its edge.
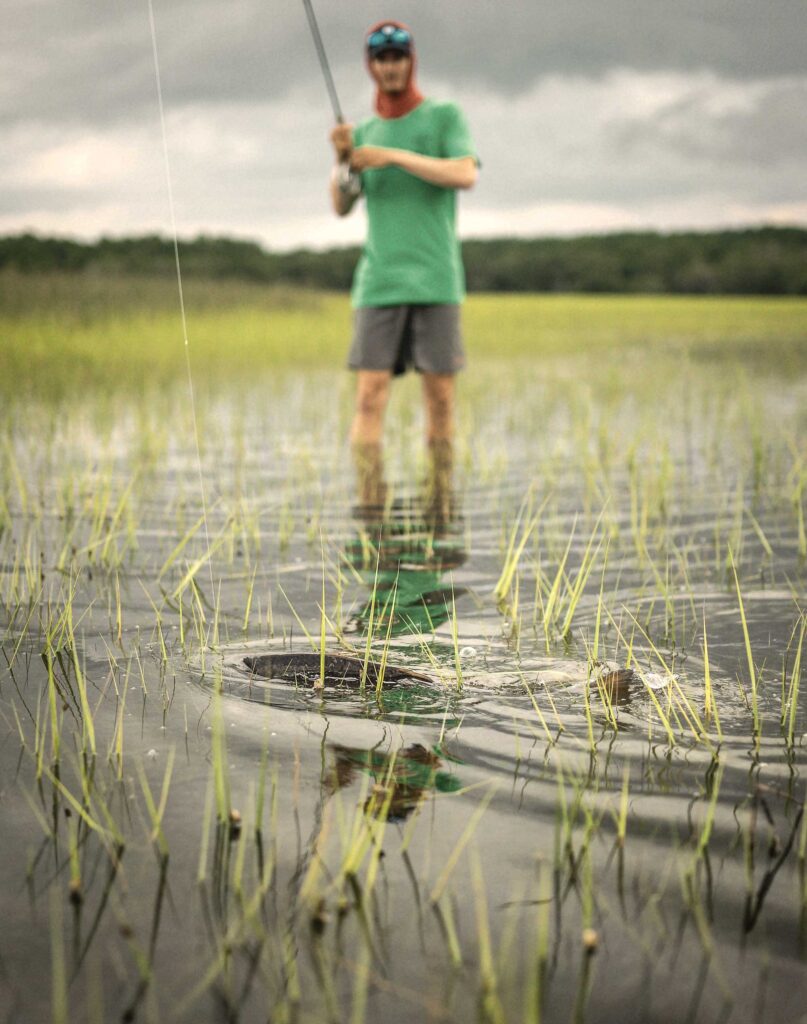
(585, 114)
(762, 128)
(629, 136)
(92, 62)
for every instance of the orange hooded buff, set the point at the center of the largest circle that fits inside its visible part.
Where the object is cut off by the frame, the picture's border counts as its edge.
(389, 105)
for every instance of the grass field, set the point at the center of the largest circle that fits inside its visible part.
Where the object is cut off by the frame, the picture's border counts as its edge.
(63, 333)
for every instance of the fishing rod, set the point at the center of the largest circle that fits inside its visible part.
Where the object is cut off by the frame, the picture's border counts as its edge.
(323, 61)
(348, 179)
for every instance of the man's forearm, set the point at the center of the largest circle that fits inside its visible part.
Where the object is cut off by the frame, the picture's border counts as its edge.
(457, 172)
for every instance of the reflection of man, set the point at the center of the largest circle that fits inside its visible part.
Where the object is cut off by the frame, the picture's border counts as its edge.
(401, 779)
(405, 546)
(412, 156)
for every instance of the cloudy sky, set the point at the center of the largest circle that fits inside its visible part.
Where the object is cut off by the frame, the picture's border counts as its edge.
(588, 115)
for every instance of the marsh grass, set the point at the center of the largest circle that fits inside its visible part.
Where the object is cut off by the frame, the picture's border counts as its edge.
(611, 538)
(65, 333)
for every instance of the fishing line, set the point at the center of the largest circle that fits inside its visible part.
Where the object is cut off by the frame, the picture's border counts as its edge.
(179, 286)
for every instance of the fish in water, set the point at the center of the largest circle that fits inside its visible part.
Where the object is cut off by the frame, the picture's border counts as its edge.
(615, 684)
(339, 670)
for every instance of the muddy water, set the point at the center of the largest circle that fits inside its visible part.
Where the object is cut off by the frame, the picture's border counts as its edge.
(500, 840)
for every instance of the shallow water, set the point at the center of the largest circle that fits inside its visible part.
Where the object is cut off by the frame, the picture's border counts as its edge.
(507, 842)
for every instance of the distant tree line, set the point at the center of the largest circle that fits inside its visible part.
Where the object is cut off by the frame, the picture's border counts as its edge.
(763, 261)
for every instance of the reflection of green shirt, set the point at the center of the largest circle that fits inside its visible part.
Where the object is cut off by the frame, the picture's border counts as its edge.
(412, 254)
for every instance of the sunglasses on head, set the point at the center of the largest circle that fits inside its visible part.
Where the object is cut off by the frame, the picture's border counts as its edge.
(389, 35)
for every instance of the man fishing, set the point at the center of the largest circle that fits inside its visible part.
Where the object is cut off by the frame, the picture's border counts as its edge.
(410, 159)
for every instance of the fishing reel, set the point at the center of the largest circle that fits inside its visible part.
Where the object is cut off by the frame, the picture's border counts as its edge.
(348, 181)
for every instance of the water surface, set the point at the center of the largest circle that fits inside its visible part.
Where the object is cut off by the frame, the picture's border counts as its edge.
(505, 842)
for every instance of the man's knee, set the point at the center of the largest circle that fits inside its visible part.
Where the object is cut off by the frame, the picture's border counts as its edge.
(372, 394)
(440, 397)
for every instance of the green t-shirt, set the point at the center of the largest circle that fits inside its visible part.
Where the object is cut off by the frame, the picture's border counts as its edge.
(412, 254)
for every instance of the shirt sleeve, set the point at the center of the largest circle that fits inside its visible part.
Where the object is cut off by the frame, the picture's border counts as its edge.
(456, 135)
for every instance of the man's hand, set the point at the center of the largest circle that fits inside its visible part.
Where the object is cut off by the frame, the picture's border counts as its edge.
(365, 158)
(342, 140)
(344, 192)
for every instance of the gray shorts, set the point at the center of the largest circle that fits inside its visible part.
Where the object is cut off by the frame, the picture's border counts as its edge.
(397, 337)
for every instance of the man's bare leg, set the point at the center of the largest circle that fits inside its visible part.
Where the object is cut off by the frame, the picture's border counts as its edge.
(372, 394)
(438, 393)
(366, 434)
(371, 486)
